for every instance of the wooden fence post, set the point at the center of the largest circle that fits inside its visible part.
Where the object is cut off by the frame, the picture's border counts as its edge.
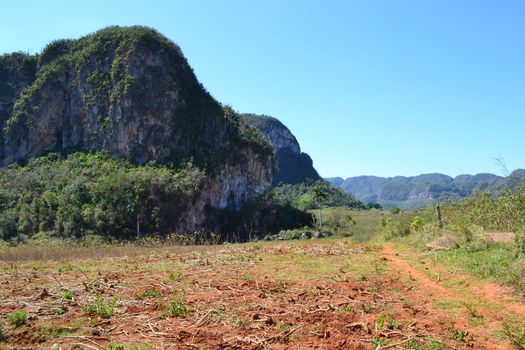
(438, 213)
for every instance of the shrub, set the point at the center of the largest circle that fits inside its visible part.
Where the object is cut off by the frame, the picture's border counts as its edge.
(395, 210)
(417, 224)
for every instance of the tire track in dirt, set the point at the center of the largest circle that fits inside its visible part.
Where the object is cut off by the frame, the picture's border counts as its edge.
(491, 292)
(437, 291)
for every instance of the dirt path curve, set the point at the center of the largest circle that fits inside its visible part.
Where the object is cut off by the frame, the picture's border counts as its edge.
(491, 292)
(432, 290)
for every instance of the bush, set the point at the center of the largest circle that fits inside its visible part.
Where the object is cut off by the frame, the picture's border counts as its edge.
(395, 210)
(417, 224)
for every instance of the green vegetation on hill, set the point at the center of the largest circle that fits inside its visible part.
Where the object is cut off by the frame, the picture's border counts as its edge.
(87, 194)
(301, 196)
(112, 78)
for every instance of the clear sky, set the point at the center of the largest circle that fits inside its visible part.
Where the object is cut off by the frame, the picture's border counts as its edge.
(392, 87)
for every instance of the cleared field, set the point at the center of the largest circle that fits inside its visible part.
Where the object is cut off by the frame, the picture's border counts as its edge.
(325, 294)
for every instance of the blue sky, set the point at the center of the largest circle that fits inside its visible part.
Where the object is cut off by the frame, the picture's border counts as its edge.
(368, 87)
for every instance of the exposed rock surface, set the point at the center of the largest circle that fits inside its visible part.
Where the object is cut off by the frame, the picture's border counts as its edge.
(293, 166)
(499, 237)
(445, 242)
(131, 92)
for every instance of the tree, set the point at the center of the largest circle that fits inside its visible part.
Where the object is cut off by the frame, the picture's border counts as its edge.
(320, 195)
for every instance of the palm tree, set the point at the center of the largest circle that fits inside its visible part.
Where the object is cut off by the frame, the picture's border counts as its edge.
(320, 195)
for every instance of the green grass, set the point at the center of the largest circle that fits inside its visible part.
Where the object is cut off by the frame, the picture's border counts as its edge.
(493, 263)
(363, 225)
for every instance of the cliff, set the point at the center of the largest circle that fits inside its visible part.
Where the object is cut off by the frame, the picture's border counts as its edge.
(293, 166)
(130, 92)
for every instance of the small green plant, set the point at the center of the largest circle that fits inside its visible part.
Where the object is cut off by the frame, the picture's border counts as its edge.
(66, 266)
(458, 334)
(362, 276)
(101, 307)
(17, 318)
(177, 306)
(377, 342)
(348, 309)
(140, 346)
(429, 344)
(386, 321)
(68, 295)
(150, 293)
(60, 310)
(283, 326)
(417, 224)
(115, 346)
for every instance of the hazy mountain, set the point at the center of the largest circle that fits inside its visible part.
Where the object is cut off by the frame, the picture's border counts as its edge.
(418, 191)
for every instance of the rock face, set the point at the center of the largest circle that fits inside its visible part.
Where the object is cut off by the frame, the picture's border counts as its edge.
(293, 166)
(131, 92)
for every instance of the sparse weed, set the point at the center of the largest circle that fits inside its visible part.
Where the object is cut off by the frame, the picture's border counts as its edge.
(362, 276)
(283, 326)
(118, 346)
(66, 266)
(177, 306)
(386, 321)
(101, 307)
(150, 293)
(60, 310)
(459, 335)
(17, 318)
(428, 344)
(515, 333)
(68, 295)
(348, 309)
(377, 342)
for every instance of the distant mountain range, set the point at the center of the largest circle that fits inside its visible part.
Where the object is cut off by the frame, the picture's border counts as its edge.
(418, 191)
